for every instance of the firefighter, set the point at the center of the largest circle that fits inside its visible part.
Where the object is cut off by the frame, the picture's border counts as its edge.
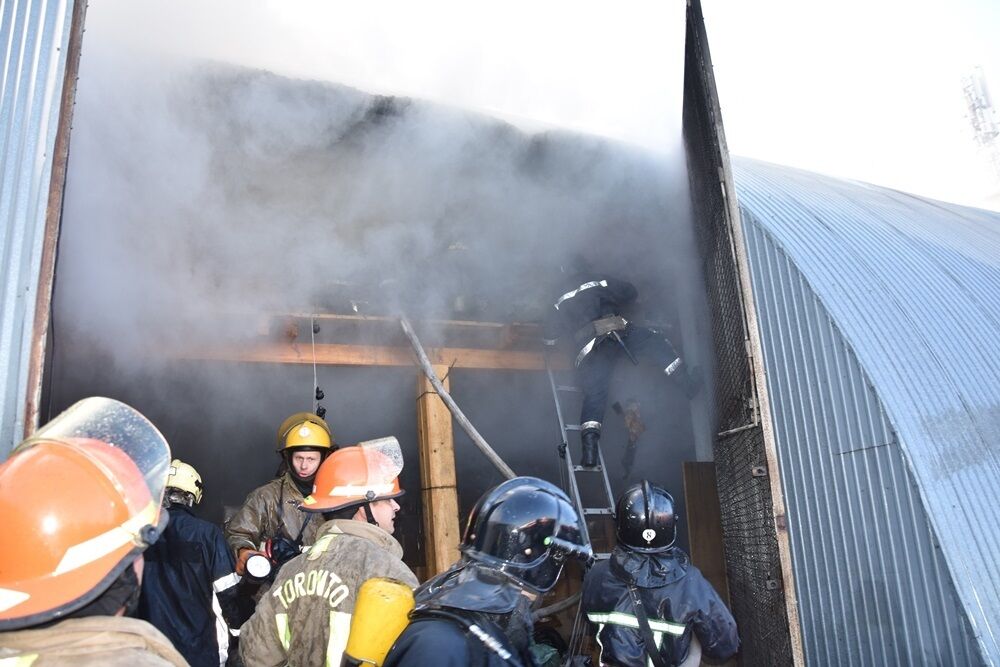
(305, 618)
(479, 612)
(80, 502)
(588, 309)
(189, 583)
(269, 522)
(648, 601)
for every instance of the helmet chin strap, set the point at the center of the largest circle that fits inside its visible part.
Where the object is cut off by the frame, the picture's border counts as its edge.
(369, 497)
(368, 514)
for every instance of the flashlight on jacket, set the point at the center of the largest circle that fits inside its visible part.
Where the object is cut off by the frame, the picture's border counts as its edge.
(258, 568)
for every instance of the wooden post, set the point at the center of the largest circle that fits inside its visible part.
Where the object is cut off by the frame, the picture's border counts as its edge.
(437, 475)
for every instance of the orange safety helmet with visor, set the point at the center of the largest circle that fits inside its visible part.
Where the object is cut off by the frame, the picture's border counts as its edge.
(80, 500)
(364, 473)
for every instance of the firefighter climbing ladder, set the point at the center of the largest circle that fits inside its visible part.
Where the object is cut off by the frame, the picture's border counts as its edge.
(572, 470)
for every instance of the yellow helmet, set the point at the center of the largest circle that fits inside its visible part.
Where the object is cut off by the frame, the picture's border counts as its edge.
(183, 476)
(304, 429)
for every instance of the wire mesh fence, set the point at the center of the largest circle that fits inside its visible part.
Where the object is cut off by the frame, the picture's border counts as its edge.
(752, 559)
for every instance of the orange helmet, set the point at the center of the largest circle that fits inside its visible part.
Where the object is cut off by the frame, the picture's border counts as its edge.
(304, 429)
(350, 476)
(79, 500)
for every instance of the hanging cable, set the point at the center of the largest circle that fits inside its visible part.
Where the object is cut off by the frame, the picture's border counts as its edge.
(318, 394)
(576, 636)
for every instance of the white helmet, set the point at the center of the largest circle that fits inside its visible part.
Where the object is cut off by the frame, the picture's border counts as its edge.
(183, 476)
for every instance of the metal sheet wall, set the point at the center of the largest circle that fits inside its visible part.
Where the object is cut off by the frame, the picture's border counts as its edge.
(871, 583)
(34, 35)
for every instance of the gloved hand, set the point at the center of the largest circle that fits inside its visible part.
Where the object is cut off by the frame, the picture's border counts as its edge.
(281, 550)
(241, 559)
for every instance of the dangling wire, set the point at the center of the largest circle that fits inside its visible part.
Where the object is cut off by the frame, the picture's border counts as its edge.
(317, 392)
(312, 334)
(576, 636)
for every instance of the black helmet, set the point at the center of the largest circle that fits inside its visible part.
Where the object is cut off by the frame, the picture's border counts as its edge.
(525, 528)
(645, 518)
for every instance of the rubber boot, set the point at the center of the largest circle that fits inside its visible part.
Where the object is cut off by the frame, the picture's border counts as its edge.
(590, 440)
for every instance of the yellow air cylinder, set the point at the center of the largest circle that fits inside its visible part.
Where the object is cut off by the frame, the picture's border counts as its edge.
(381, 613)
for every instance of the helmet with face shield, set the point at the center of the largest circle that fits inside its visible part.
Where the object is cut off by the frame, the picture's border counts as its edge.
(80, 500)
(357, 476)
(525, 528)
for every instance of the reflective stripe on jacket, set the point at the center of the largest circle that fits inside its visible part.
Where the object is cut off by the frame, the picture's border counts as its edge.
(189, 588)
(305, 618)
(677, 599)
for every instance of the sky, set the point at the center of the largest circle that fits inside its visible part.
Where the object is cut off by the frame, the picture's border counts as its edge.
(868, 90)
(861, 89)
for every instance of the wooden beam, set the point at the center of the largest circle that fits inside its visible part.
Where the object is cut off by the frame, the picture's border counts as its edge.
(437, 475)
(334, 354)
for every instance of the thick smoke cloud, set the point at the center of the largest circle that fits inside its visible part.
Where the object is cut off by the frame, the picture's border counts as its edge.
(203, 195)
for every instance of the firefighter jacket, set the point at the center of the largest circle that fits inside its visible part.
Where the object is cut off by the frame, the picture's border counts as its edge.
(582, 299)
(305, 618)
(457, 621)
(677, 600)
(271, 511)
(189, 588)
(443, 642)
(93, 641)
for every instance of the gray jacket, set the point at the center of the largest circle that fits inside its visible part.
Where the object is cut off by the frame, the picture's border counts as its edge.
(305, 618)
(271, 510)
(93, 641)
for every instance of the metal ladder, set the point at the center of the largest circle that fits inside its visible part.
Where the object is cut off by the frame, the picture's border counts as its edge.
(572, 470)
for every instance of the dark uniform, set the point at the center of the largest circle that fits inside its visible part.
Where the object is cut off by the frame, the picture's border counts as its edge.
(649, 590)
(189, 588)
(676, 597)
(457, 622)
(479, 611)
(589, 309)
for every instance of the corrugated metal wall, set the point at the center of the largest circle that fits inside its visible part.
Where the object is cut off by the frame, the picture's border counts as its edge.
(872, 587)
(33, 37)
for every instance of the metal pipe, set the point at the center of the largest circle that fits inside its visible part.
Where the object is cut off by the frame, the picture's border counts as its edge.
(463, 421)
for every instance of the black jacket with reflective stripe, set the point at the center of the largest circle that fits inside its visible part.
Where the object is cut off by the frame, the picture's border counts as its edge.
(190, 571)
(445, 643)
(584, 298)
(677, 599)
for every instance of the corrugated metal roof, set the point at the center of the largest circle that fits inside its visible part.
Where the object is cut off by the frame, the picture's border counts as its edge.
(871, 586)
(913, 286)
(33, 44)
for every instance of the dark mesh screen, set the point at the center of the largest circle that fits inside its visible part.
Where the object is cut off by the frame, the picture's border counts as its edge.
(752, 561)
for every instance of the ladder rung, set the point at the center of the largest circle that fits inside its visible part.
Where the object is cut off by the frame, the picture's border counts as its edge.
(602, 556)
(585, 469)
(567, 387)
(572, 427)
(598, 511)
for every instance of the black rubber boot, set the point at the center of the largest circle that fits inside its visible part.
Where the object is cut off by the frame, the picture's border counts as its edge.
(590, 440)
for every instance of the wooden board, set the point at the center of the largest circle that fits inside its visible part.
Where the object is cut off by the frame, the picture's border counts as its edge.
(333, 354)
(437, 475)
(704, 522)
